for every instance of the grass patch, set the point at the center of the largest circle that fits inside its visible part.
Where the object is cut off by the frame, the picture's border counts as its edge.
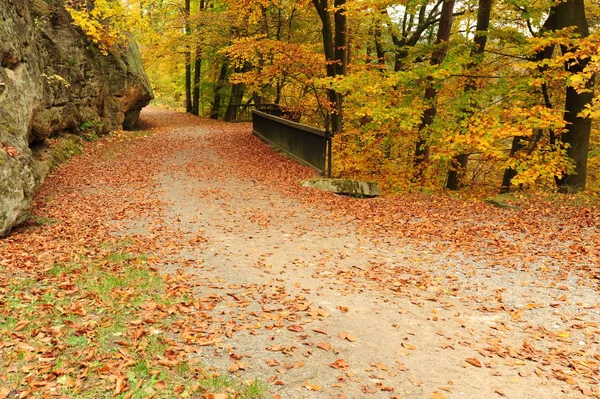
(243, 390)
(101, 328)
(44, 221)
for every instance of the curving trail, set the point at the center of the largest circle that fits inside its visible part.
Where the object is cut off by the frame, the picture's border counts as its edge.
(331, 297)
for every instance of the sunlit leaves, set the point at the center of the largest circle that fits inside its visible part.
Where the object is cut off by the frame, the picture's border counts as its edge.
(105, 22)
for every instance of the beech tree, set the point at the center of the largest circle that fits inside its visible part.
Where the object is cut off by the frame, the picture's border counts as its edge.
(428, 94)
(570, 14)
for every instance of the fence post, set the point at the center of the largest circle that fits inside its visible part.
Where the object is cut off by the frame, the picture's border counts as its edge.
(329, 140)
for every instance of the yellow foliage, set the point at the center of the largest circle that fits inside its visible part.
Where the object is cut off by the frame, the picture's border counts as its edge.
(105, 22)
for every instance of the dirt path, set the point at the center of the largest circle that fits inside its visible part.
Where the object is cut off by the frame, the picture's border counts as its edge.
(321, 296)
(304, 299)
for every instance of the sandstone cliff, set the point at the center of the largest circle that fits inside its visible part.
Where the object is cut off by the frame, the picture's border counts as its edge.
(53, 80)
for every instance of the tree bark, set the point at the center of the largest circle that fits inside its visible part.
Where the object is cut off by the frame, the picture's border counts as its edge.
(459, 162)
(197, 73)
(237, 94)
(188, 66)
(216, 105)
(571, 13)
(430, 98)
(334, 45)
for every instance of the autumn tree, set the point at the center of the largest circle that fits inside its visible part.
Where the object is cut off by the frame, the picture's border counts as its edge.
(484, 10)
(430, 97)
(570, 14)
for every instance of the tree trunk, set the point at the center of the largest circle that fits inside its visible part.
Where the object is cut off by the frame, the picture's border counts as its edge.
(571, 13)
(188, 66)
(332, 47)
(518, 143)
(459, 162)
(377, 36)
(340, 38)
(196, 88)
(237, 94)
(430, 98)
(216, 105)
(197, 73)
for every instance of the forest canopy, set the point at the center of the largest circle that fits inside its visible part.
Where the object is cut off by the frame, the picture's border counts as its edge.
(478, 94)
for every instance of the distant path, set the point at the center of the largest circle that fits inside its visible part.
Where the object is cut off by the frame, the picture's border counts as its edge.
(309, 302)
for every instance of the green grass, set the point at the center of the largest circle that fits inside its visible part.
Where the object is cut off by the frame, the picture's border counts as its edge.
(245, 390)
(99, 315)
(44, 221)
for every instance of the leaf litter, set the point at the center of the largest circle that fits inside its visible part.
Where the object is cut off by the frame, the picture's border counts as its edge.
(189, 262)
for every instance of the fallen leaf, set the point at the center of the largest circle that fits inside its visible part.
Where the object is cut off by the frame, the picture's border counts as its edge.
(312, 387)
(324, 345)
(339, 364)
(473, 361)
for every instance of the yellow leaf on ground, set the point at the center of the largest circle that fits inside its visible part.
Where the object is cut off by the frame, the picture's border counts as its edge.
(312, 387)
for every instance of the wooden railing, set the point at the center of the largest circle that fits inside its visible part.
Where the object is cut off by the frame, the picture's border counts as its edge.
(243, 112)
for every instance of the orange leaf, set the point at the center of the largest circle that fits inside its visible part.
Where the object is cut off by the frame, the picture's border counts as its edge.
(324, 345)
(312, 387)
(339, 364)
(295, 328)
(120, 384)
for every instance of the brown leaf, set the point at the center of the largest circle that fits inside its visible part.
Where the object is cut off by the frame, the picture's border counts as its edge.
(295, 328)
(235, 366)
(120, 384)
(416, 382)
(346, 336)
(324, 345)
(409, 346)
(473, 361)
(339, 364)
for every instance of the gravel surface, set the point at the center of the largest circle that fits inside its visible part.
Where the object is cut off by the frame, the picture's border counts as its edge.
(320, 300)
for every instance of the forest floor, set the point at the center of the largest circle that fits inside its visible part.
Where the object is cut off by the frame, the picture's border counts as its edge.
(312, 294)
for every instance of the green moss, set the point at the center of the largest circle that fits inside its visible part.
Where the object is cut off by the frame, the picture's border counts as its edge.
(64, 150)
(505, 200)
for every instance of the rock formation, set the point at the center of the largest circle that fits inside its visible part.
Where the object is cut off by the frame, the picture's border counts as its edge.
(53, 80)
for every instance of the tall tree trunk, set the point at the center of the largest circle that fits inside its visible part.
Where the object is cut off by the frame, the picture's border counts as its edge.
(340, 38)
(216, 105)
(430, 98)
(519, 142)
(197, 73)
(237, 95)
(459, 162)
(377, 36)
(196, 85)
(331, 39)
(571, 13)
(188, 66)
(341, 56)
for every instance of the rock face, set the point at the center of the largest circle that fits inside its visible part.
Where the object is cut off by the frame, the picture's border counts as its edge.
(352, 188)
(53, 80)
